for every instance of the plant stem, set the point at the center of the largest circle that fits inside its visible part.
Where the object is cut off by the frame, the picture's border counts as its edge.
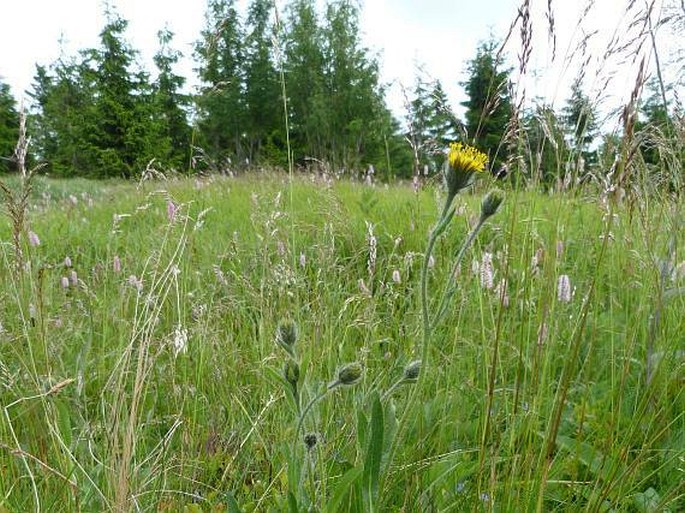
(449, 289)
(309, 407)
(435, 232)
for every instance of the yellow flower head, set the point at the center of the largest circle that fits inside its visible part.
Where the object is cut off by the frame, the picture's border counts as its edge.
(462, 162)
(466, 158)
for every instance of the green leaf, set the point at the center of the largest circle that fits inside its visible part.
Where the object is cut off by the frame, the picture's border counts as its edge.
(648, 502)
(603, 466)
(362, 428)
(374, 455)
(233, 506)
(342, 489)
(292, 503)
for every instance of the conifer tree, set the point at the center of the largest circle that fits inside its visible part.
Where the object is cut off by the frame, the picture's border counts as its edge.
(122, 140)
(220, 105)
(304, 70)
(9, 126)
(358, 120)
(61, 117)
(579, 117)
(262, 89)
(489, 106)
(169, 107)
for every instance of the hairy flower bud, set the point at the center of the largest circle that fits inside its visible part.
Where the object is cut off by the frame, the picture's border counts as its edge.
(310, 440)
(412, 371)
(491, 203)
(286, 336)
(350, 374)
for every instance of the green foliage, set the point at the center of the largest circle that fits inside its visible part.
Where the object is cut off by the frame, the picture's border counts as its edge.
(169, 107)
(660, 138)
(9, 126)
(220, 104)
(546, 147)
(263, 99)
(96, 117)
(431, 126)
(60, 118)
(215, 422)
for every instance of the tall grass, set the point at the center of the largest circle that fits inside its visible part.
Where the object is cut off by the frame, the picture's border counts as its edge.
(110, 414)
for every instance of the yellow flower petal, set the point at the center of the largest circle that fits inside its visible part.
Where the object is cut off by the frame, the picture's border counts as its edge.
(466, 158)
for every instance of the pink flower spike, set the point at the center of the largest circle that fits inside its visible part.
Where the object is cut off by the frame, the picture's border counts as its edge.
(73, 278)
(486, 271)
(116, 264)
(33, 239)
(171, 210)
(396, 276)
(67, 262)
(64, 282)
(564, 289)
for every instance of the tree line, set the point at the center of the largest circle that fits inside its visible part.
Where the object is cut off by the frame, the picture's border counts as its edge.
(295, 89)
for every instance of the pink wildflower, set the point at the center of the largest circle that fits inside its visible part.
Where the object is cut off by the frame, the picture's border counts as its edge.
(171, 210)
(564, 289)
(486, 271)
(33, 239)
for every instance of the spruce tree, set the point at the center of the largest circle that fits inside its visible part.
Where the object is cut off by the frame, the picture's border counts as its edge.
(431, 125)
(62, 117)
(122, 140)
(304, 77)
(579, 118)
(358, 120)
(220, 105)
(546, 146)
(169, 107)
(9, 127)
(264, 124)
(489, 107)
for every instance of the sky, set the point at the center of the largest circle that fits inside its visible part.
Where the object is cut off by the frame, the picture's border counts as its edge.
(433, 37)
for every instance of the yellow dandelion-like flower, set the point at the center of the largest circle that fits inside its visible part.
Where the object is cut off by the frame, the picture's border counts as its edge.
(466, 158)
(462, 162)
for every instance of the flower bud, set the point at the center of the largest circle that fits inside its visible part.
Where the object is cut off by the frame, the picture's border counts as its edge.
(310, 440)
(350, 374)
(491, 203)
(286, 336)
(412, 371)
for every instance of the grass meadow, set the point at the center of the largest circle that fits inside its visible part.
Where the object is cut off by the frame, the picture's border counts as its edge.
(158, 343)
